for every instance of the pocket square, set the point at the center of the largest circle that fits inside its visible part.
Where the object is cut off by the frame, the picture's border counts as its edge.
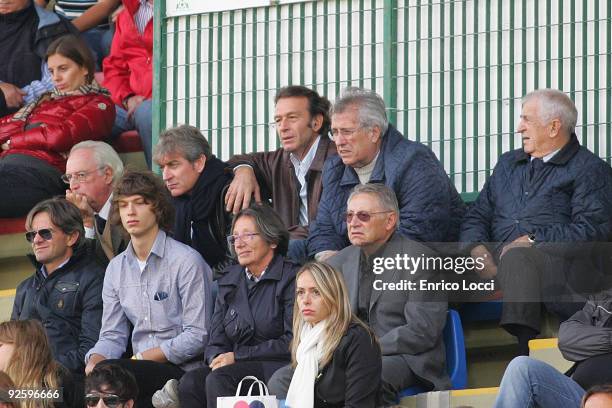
(160, 296)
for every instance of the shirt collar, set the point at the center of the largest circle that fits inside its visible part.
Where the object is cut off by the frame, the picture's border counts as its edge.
(250, 276)
(550, 155)
(158, 247)
(105, 210)
(43, 268)
(307, 161)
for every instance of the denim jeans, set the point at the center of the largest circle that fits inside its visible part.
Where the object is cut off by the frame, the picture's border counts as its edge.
(99, 41)
(528, 382)
(141, 121)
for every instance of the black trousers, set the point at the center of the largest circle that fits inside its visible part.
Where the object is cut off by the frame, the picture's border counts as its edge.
(594, 371)
(531, 278)
(24, 182)
(150, 377)
(200, 388)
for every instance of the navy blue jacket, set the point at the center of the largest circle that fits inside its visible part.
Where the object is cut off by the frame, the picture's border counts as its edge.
(430, 207)
(69, 305)
(568, 200)
(255, 325)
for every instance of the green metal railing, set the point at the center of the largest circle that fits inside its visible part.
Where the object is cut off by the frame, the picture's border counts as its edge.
(452, 72)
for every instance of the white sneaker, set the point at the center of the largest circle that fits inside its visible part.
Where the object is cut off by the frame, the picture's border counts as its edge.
(167, 397)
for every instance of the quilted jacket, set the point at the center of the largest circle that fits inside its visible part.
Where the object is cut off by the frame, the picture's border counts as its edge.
(430, 207)
(568, 200)
(54, 126)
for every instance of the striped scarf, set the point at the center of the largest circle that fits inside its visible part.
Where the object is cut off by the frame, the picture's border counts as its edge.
(26, 110)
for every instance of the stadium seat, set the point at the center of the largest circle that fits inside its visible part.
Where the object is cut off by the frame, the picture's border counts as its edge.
(455, 355)
(482, 311)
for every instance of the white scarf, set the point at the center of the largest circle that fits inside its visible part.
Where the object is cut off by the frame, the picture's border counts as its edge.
(309, 352)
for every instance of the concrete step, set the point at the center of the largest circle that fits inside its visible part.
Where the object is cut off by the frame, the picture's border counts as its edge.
(547, 350)
(473, 398)
(7, 297)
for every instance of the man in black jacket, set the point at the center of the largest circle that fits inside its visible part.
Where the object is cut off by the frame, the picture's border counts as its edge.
(197, 181)
(65, 292)
(542, 209)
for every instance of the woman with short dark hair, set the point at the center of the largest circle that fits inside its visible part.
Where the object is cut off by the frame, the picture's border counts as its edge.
(251, 325)
(35, 141)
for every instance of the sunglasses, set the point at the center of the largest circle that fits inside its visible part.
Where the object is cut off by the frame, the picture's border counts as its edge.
(110, 400)
(45, 233)
(362, 216)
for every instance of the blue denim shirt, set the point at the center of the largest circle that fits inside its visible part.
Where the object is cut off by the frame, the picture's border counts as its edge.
(169, 303)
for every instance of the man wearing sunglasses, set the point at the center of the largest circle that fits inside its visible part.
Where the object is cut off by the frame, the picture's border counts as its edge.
(65, 292)
(371, 150)
(110, 386)
(408, 324)
(92, 169)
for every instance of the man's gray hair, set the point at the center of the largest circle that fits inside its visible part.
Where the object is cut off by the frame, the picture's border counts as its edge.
(104, 155)
(554, 104)
(371, 107)
(183, 139)
(386, 197)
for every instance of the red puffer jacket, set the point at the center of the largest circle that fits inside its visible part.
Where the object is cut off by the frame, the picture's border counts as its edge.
(55, 126)
(129, 67)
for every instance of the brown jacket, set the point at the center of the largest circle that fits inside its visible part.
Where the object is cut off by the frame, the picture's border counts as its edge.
(276, 177)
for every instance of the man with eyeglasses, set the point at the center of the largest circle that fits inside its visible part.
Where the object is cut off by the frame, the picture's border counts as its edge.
(65, 291)
(371, 150)
(158, 286)
(291, 175)
(110, 386)
(92, 169)
(408, 324)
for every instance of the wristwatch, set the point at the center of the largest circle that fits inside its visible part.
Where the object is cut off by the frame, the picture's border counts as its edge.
(531, 238)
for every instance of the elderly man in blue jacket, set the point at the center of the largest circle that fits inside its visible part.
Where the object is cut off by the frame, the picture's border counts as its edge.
(370, 150)
(540, 212)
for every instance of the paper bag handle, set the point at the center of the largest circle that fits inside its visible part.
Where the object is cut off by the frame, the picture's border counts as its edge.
(255, 381)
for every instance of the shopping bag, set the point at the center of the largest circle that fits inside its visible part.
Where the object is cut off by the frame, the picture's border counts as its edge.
(263, 400)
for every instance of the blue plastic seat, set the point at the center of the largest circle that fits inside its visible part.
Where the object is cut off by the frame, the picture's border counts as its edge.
(481, 311)
(455, 355)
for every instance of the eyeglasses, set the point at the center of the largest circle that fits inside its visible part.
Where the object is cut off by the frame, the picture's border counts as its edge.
(110, 400)
(345, 133)
(45, 233)
(246, 237)
(79, 176)
(362, 216)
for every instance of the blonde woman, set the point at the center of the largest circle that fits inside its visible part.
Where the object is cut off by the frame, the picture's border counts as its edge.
(25, 355)
(336, 360)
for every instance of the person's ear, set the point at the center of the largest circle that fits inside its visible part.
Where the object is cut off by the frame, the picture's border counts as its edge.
(391, 223)
(316, 123)
(555, 128)
(129, 404)
(375, 134)
(200, 163)
(72, 239)
(108, 175)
